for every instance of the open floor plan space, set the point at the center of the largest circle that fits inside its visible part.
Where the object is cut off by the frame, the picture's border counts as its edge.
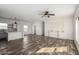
(39, 45)
(39, 29)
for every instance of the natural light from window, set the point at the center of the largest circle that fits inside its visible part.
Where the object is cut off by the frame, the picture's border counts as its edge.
(3, 25)
(53, 49)
(25, 28)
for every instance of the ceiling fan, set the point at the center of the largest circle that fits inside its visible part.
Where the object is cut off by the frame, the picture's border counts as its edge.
(47, 13)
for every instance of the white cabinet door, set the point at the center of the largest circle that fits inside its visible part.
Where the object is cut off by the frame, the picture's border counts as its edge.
(14, 35)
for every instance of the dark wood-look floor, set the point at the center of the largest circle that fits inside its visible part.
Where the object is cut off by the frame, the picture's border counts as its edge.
(38, 45)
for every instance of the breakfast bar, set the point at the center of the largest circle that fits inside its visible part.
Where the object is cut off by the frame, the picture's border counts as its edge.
(14, 35)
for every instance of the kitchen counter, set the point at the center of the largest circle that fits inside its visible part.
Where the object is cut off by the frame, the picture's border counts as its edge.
(14, 35)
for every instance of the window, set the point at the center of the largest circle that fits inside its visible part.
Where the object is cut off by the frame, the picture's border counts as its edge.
(25, 28)
(3, 26)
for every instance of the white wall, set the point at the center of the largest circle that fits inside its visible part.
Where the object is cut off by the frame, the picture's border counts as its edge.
(63, 25)
(21, 29)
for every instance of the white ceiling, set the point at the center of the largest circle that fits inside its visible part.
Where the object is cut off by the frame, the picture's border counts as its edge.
(31, 12)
